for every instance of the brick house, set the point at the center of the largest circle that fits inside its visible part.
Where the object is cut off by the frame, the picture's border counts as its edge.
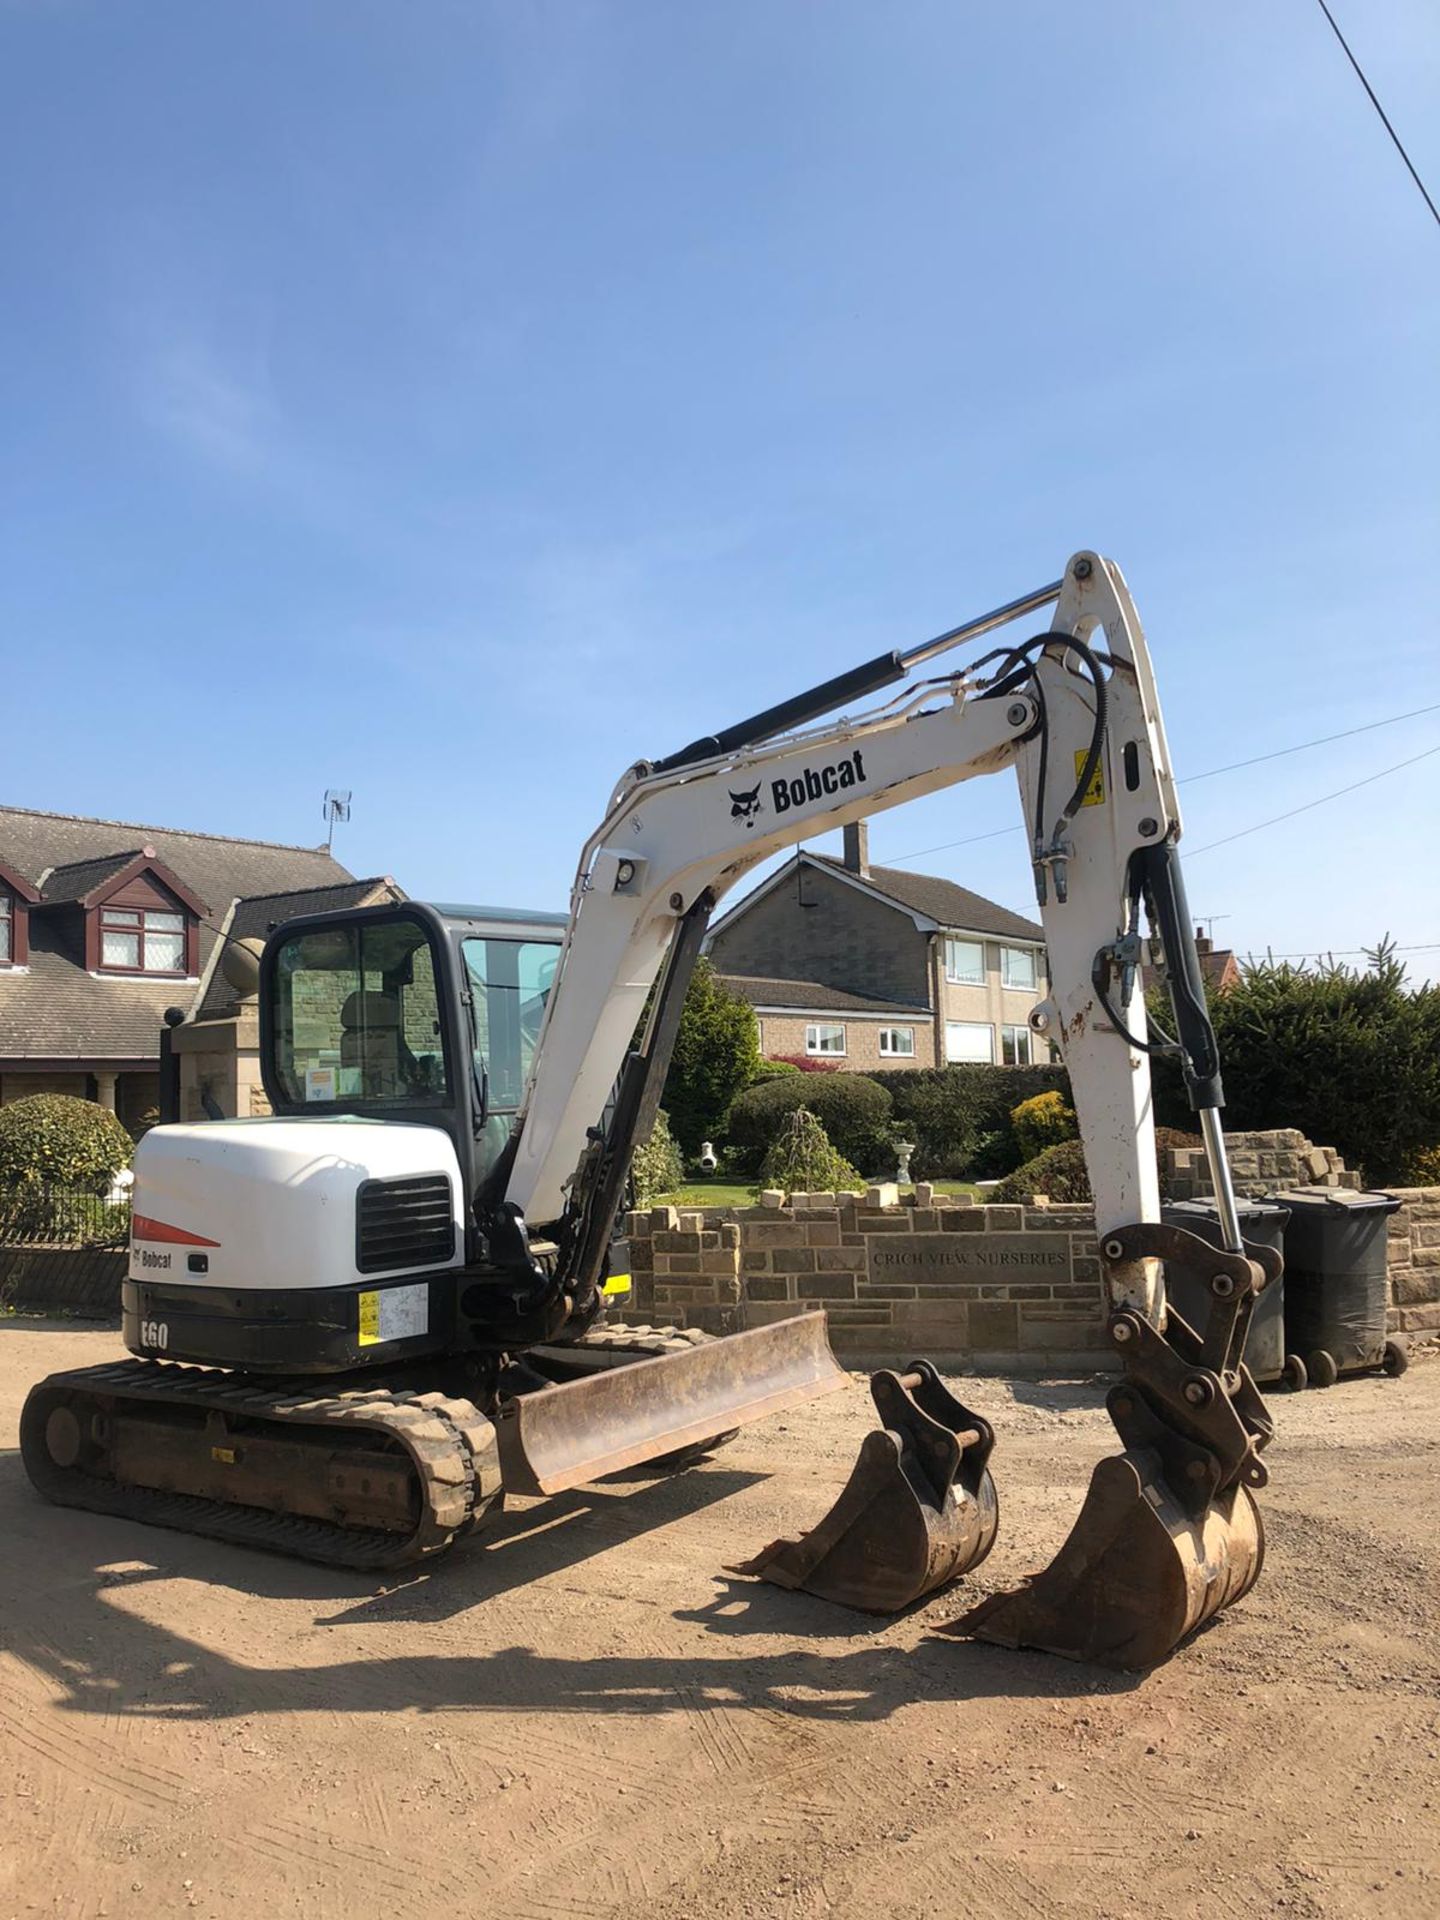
(104, 925)
(871, 967)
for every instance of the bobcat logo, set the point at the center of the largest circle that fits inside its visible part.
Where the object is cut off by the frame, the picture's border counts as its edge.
(745, 806)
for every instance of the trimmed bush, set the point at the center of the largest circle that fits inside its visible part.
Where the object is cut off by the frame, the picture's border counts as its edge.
(1060, 1171)
(717, 1051)
(657, 1166)
(773, 1070)
(952, 1112)
(800, 1159)
(853, 1109)
(1042, 1122)
(808, 1063)
(60, 1141)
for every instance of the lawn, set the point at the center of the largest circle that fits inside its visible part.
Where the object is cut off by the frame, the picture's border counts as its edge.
(730, 1193)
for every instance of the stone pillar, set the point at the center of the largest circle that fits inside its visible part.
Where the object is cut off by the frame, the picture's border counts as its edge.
(105, 1090)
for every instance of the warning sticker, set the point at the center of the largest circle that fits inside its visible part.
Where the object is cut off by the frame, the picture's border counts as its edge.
(396, 1313)
(1095, 792)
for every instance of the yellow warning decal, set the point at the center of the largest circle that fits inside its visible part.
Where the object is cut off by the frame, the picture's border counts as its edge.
(369, 1319)
(1095, 792)
(617, 1283)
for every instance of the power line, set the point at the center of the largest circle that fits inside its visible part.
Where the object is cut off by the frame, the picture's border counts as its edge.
(1235, 766)
(1260, 825)
(1324, 741)
(1360, 71)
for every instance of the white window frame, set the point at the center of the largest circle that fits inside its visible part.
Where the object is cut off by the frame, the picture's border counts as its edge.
(7, 928)
(890, 1052)
(968, 1060)
(1024, 1047)
(812, 1041)
(953, 940)
(1007, 954)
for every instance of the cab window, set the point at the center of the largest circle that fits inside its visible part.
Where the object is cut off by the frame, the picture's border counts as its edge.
(510, 981)
(358, 1017)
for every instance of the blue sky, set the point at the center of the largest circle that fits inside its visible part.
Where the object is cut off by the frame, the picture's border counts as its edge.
(455, 402)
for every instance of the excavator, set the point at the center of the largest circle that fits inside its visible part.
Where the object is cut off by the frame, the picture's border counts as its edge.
(360, 1321)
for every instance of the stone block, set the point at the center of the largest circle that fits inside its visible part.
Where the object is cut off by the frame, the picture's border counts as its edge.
(841, 1260)
(772, 1197)
(730, 1234)
(884, 1194)
(925, 1220)
(959, 1199)
(1315, 1163)
(783, 1233)
(753, 1261)
(1414, 1286)
(1059, 1336)
(761, 1289)
(896, 1222)
(764, 1313)
(692, 1220)
(672, 1263)
(924, 1194)
(825, 1286)
(993, 1323)
(822, 1233)
(721, 1261)
(869, 1290)
(663, 1219)
(954, 1219)
(793, 1260)
(1004, 1219)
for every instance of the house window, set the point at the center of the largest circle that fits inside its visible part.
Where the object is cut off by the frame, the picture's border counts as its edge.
(969, 1040)
(1017, 967)
(6, 939)
(1015, 1046)
(898, 1042)
(133, 940)
(965, 962)
(823, 1039)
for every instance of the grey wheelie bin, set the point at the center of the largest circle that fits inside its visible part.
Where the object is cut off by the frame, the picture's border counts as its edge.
(1336, 1290)
(1262, 1223)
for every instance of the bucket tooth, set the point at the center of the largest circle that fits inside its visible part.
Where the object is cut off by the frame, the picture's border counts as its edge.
(918, 1510)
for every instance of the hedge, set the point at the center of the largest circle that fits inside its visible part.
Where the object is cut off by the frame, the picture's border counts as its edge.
(1060, 1171)
(61, 1141)
(959, 1117)
(852, 1108)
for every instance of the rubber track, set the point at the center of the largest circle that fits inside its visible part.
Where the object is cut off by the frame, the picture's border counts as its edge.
(450, 1443)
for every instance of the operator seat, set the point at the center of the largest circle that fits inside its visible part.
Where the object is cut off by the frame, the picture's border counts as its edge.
(370, 1040)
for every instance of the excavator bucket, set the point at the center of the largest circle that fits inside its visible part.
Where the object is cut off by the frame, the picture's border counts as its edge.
(917, 1511)
(620, 1416)
(1137, 1575)
(1169, 1533)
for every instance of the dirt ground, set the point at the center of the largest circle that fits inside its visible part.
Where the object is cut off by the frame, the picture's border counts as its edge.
(579, 1716)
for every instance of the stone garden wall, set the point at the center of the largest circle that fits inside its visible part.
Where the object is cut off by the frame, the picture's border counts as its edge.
(1005, 1287)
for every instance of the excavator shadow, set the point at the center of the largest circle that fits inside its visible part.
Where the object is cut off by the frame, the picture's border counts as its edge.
(68, 1617)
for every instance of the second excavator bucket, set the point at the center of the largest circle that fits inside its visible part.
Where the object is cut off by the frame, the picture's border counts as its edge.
(1169, 1533)
(917, 1511)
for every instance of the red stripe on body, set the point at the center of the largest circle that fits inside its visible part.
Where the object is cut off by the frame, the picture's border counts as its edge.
(142, 1227)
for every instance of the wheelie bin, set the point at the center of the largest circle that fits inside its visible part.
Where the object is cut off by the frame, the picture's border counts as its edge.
(1262, 1223)
(1336, 1291)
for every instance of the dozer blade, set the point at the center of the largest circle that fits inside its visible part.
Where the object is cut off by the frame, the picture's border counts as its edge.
(918, 1510)
(621, 1416)
(1136, 1576)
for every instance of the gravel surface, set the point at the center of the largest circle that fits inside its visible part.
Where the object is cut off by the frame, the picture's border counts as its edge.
(580, 1716)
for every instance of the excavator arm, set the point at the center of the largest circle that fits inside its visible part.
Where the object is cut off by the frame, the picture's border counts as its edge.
(1169, 1532)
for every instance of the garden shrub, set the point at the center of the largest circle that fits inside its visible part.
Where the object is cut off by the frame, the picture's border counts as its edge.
(1060, 1171)
(808, 1063)
(55, 1139)
(774, 1070)
(717, 1051)
(853, 1109)
(950, 1112)
(1042, 1121)
(800, 1159)
(657, 1166)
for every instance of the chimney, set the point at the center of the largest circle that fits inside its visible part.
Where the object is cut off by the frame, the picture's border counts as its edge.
(857, 848)
(1202, 943)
